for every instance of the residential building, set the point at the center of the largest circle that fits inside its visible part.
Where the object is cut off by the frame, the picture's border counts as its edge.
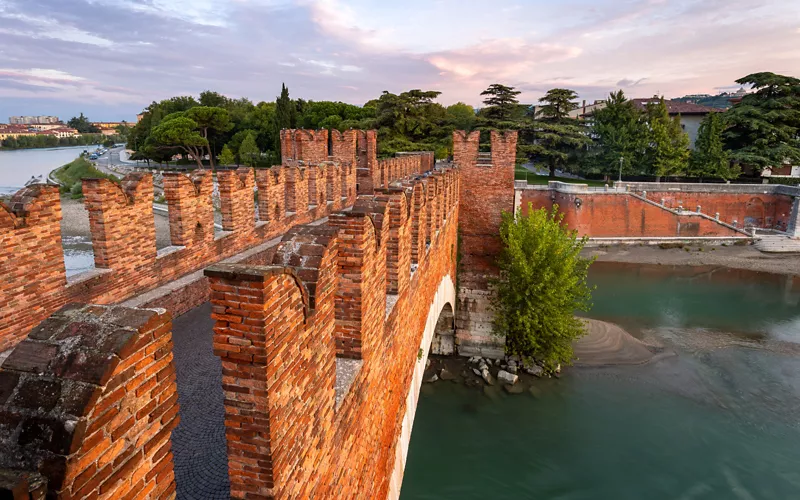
(110, 128)
(691, 115)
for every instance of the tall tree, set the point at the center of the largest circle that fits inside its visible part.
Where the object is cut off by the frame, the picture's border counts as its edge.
(285, 116)
(210, 120)
(552, 137)
(709, 157)
(542, 283)
(502, 102)
(764, 128)
(668, 152)
(82, 125)
(248, 151)
(226, 157)
(461, 116)
(620, 135)
(176, 131)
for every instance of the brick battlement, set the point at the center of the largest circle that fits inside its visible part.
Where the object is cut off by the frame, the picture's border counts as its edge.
(35, 285)
(345, 288)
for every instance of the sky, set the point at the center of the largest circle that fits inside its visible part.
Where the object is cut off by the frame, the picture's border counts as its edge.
(110, 58)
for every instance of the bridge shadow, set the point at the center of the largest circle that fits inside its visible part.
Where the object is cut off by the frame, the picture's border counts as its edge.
(198, 443)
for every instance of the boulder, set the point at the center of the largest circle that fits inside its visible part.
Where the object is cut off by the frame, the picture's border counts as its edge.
(507, 378)
(487, 377)
(433, 378)
(476, 372)
(532, 368)
(446, 375)
(514, 389)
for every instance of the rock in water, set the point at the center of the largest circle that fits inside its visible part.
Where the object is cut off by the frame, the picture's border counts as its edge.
(432, 379)
(487, 377)
(446, 375)
(532, 368)
(514, 389)
(507, 378)
(476, 372)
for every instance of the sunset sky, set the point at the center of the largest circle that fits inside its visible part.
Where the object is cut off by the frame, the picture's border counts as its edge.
(110, 58)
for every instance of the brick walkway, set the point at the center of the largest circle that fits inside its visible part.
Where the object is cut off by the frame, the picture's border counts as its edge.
(201, 463)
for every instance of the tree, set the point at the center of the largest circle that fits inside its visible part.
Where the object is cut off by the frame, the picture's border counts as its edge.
(619, 132)
(668, 152)
(552, 137)
(502, 102)
(461, 116)
(542, 282)
(248, 151)
(226, 157)
(210, 120)
(285, 116)
(709, 158)
(179, 132)
(764, 128)
(82, 125)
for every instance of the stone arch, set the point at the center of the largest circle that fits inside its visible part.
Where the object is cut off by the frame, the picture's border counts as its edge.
(444, 335)
(445, 295)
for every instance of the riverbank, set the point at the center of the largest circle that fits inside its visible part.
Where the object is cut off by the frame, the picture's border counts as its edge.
(735, 257)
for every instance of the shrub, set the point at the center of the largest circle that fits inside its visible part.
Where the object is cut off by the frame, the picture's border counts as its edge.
(542, 283)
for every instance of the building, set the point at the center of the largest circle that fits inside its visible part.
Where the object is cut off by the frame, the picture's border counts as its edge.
(585, 111)
(32, 120)
(14, 131)
(61, 132)
(110, 128)
(45, 126)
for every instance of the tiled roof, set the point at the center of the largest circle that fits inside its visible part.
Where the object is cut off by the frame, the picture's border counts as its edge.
(678, 107)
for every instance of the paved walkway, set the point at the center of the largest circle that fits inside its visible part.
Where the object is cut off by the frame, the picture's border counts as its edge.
(198, 443)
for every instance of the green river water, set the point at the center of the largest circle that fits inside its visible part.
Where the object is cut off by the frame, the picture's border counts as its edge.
(719, 420)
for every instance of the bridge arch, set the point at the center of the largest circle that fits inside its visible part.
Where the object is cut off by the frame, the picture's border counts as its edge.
(443, 301)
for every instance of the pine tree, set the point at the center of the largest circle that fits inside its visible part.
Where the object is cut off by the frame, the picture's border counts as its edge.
(226, 157)
(709, 158)
(764, 128)
(619, 132)
(285, 116)
(248, 151)
(668, 152)
(502, 102)
(552, 137)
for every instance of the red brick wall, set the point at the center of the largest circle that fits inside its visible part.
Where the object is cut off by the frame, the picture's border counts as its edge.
(287, 438)
(621, 215)
(367, 161)
(34, 282)
(310, 146)
(761, 210)
(89, 401)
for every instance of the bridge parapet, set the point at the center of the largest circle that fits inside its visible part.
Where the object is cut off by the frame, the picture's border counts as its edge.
(342, 289)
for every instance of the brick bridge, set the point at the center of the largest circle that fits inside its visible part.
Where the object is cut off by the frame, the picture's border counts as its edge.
(278, 358)
(282, 356)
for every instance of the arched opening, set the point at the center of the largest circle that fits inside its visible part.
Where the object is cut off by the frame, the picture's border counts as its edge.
(444, 336)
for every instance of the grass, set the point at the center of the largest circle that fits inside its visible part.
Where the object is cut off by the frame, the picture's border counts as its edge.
(522, 174)
(71, 175)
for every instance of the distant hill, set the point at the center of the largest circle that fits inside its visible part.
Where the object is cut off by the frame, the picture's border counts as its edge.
(721, 101)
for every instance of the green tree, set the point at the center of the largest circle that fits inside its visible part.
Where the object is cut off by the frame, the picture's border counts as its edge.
(226, 157)
(502, 102)
(210, 121)
(668, 152)
(553, 138)
(709, 157)
(542, 282)
(176, 131)
(461, 116)
(82, 125)
(764, 128)
(619, 131)
(285, 116)
(248, 151)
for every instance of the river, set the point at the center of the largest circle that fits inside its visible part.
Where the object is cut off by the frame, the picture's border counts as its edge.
(721, 420)
(18, 166)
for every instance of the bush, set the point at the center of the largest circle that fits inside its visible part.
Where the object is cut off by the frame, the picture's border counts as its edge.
(542, 283)
(76, 191)
(72, 174)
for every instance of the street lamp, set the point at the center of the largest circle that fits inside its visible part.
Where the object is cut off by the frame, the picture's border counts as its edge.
(621, 159)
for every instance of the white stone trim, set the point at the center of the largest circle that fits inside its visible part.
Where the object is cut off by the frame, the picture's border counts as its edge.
(446, 294)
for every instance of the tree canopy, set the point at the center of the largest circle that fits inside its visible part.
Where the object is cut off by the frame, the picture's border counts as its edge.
(82, 125)
(764, 128)
(177, 131)
(709, 157)
(542, 282)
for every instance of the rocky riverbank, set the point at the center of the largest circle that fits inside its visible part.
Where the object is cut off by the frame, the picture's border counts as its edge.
(737, 257)
(605, 344)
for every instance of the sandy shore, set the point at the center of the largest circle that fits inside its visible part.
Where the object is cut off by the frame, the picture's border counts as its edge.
(737, 257)
(607, 344)
(75, 222)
